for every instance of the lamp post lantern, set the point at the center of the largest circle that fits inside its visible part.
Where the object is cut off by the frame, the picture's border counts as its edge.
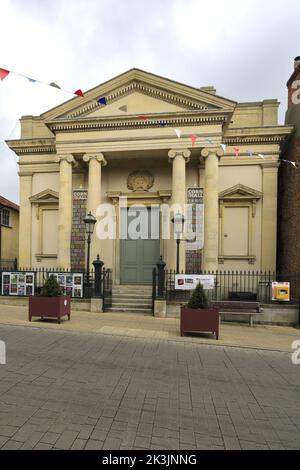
(178, 221)
(89, 221)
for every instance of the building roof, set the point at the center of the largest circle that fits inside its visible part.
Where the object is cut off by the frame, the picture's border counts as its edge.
(10, 205)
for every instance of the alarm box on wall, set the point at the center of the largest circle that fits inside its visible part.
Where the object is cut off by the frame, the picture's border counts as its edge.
(281, 291)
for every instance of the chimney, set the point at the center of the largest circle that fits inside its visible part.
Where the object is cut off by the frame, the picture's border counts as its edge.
(210, 89)
(293, 83)
(297, 62)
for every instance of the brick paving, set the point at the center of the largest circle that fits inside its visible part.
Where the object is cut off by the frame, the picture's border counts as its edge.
(78, 390)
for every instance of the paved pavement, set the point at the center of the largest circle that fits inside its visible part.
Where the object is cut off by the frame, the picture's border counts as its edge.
(275, 338)
(64, 389)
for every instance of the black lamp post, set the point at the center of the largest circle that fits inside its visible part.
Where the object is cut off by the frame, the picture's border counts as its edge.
(89, 221)
(178, 221)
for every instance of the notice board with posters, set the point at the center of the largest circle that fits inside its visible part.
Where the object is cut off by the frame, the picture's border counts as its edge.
(18, 283)
(190, 281)
(71, 283)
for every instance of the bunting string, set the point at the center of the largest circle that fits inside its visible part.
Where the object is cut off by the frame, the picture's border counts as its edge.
(103, 101)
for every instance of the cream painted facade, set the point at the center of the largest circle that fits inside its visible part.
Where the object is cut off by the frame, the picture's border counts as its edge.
(81, 146)
(9, 232)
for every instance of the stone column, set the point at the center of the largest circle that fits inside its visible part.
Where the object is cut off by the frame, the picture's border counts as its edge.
(65, 211)
(179, 158)
(269, 216)
(95, 162)
(211, 208)
(25, 228)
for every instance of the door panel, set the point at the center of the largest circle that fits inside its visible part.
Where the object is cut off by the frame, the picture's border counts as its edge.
(139, 256)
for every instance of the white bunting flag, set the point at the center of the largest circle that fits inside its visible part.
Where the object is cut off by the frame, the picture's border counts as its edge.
(178, 133)
(261, 156)
(224, 147)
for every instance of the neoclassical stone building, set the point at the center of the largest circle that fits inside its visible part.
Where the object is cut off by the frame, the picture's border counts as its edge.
(152, 141)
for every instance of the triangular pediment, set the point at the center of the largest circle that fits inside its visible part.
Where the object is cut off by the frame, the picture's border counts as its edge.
(140, 93)
(240, 192)
(48, 196)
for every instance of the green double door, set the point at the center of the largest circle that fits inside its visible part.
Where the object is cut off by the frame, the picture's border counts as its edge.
(139, 244)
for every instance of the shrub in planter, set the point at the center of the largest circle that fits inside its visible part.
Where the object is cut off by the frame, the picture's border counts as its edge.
(50, 303)
(196, 316)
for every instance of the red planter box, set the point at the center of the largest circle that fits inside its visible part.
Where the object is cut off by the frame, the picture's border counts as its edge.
(49, 307)
(196, 320)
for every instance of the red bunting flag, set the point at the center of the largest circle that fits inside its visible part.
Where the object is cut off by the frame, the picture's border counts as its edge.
(236, 151)
(78, 93)
(3, 73)
(193, 137)
(142, 117)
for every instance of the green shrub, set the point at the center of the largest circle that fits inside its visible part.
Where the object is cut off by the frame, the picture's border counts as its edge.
(51, 288)
(199, 298)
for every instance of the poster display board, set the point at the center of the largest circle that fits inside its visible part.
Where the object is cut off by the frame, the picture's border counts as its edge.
(190, 281)
(18, 283)
(71, 283)
(195, 218)
(281, 291)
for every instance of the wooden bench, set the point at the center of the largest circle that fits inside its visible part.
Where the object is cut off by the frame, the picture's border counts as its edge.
(238, 308)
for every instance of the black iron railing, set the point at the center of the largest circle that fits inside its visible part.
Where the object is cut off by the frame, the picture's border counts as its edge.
(229, 285)
(107, 287)
(77, 284)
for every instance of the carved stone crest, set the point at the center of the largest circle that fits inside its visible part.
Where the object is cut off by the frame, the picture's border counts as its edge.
(141, 180)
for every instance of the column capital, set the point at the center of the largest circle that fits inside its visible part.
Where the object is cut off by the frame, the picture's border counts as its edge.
(99, 157)
(66, 157)
(205, 152)
(185, 153)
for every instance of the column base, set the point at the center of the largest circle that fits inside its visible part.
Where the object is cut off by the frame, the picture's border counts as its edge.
(160, 308)
(97, 305)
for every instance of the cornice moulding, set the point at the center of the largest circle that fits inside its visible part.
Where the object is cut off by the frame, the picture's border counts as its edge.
(151, 121)
(142, 81)
(35, 146)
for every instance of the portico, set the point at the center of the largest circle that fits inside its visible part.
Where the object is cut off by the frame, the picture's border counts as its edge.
(93, 155)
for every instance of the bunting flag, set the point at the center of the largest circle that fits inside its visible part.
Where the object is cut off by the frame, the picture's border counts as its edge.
(142, 117)
(3, 73)
(78, 93)
(250, 153)
(55, 85)
(209, 141)
(162, 124)
(224, 147)
(193, 137)
(236, 151)
(123, 108)
(261, 156)
(102, 100)
(294, 164)
(178, 133)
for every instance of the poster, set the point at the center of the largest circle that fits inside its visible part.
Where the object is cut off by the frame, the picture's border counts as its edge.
(17, 283)
(195, 219)
(71, 283)
(190, 281)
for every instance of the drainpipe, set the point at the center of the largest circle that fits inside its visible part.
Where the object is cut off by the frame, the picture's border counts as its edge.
(1, 207)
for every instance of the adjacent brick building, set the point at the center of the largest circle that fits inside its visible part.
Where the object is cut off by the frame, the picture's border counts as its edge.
(288, 259)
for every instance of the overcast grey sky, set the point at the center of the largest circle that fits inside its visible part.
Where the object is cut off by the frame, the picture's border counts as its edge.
(245, 48)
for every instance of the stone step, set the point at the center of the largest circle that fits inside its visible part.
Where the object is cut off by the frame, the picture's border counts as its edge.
(132, 297)
(129, 310)
(131, 304)
(132, 286)
(132, 292)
